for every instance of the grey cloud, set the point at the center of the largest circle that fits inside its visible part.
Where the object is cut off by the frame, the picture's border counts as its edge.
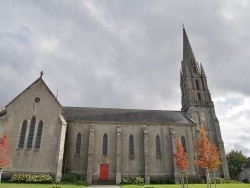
(123, 54)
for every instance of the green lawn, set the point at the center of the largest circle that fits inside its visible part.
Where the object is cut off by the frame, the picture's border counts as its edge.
(17, 185)
(27, 185)
(189, 186)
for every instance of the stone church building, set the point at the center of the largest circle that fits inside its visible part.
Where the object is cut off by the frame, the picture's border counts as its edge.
(107, 144)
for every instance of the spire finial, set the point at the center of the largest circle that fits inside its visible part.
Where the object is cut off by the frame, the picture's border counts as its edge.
(183, 25)
(41, 74)
(187, 50)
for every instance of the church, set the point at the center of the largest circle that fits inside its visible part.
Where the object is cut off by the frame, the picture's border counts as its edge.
(108, 144)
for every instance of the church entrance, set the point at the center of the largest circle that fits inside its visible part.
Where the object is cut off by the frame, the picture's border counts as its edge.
(104, 171)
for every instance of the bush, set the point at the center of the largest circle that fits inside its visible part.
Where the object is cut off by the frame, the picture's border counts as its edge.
(71, 177)
(223, 181)
(31, 178)
(163, 181)
(135, 180)
(126, 181)
(196, 181)
(56, 186)
(245, 181)
(74, 178)
(138, 180)
(5, 177)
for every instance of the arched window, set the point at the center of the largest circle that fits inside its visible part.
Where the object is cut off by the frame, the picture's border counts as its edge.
(199, 96)
(131, 145)
(158, 146)
(22, 134)
(197, 84)
(78, 144)
(39, 135)
(31, 132)
(105, 145)
(183, 143)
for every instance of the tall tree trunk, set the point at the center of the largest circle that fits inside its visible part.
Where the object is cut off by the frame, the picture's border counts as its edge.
(1, 171)
(207, 177)
(181, 181)
(214, 180)
(186, 179)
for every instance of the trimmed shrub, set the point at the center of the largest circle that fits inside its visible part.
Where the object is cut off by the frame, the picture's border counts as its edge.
(133, 180)
(126, 181)
(31, 178)
(196, 181)
(74, 178)
(245, 181)
(224, 181)
(71, 177)
(56, 186)
(138, 180)
(163, 181)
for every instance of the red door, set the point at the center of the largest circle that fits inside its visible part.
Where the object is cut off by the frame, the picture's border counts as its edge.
(104, 171)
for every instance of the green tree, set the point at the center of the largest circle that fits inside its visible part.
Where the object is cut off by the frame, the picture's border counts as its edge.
(235, 161)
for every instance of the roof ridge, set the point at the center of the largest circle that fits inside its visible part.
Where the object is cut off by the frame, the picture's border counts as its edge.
(120, 108)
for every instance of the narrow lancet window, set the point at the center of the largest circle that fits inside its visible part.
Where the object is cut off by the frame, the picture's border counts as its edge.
(22, 134)
(131, 145)
(195, 69)
(39, 135)
(199, 96)
(78, 144)
(183, 143)
(158, 146)
(31, 132)
(197, 84)
(105, 145)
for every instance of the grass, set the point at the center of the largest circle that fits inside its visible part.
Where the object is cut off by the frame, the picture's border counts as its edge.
(30, 185)
(27, 185)
(189, 186)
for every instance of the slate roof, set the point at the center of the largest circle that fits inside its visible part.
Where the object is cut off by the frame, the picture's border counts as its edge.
(125, 115)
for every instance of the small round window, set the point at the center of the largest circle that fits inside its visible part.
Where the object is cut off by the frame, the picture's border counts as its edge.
(37, 100)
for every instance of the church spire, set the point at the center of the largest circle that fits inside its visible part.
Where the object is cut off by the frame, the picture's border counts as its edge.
(187, 50)
(196, 99)
(193, 79)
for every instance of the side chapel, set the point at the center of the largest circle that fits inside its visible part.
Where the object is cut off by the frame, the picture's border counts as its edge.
(107, 144)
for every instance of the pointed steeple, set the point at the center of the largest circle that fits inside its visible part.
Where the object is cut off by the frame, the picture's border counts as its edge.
(187, 50)
(193, 79)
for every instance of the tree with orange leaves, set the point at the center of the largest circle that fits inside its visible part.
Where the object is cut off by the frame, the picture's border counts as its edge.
(181, 160)
(208, 156)
(4, 153)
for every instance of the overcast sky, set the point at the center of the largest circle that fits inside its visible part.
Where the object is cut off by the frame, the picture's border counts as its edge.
(127, 54)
